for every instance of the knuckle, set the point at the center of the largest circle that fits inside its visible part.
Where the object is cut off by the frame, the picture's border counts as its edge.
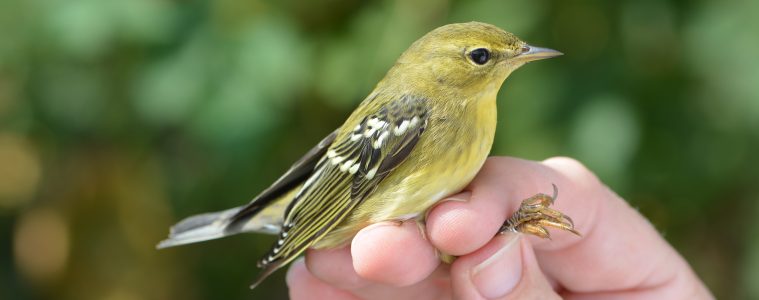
(332, 267)
(494, 161)
(572, 167)
(502, 164)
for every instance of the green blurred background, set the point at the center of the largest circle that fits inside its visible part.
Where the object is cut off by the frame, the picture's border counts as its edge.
(118, 118)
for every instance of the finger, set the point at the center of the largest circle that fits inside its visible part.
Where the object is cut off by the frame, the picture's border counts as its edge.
(616, 240)
(505, 268)
(620, 249)
(436, 286)
(382, 251)
(392, 254)
(335, 267)
(302, 285)
(472, 219)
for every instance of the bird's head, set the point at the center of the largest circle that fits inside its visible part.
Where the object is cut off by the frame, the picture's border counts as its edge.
(465, 56)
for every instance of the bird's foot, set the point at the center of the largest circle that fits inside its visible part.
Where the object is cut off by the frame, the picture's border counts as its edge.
(534, 215)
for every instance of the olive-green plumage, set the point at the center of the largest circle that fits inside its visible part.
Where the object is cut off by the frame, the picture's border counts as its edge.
(421, 135)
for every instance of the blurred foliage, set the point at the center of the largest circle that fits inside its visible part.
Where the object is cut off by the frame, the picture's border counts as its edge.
(117, 118)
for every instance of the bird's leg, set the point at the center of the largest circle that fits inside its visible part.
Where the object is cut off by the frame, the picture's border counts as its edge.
(534, 215)
(445, 258)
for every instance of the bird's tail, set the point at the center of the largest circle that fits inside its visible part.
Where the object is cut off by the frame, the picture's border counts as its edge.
(216, 225)
(199, 228)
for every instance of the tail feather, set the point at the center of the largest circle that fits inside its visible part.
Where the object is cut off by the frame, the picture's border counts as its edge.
(200, 228)
(216, 225)
(265, 272)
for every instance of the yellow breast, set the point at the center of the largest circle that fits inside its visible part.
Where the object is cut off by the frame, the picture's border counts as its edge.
(453, 155)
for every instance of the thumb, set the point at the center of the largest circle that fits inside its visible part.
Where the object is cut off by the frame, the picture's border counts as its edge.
(505, 268)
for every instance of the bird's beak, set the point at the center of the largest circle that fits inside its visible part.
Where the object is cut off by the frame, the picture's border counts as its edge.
(537, 53)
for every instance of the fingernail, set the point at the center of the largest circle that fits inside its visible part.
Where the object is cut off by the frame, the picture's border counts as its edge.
(461, 197)
(501, 272)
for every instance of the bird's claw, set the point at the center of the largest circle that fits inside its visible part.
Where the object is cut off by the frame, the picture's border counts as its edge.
(534, 216)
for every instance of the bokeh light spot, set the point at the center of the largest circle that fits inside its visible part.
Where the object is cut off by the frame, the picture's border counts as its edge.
(41, 244)
(605, 136)
(20, 172)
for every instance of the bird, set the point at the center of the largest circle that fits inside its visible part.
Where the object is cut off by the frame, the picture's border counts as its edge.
(422, 134)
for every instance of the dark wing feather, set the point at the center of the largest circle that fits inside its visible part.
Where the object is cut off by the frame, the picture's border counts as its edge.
(346, 175)
(298, 172)
(407, 119)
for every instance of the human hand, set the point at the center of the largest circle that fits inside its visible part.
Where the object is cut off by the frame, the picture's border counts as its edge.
(619, 256)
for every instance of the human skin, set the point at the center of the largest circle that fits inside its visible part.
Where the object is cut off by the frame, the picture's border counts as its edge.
(620, 255)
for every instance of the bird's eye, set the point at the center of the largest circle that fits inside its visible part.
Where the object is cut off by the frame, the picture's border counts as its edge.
(480, 56)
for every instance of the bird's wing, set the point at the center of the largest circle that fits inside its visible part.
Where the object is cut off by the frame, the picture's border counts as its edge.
(298, 172)
(350, 171)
